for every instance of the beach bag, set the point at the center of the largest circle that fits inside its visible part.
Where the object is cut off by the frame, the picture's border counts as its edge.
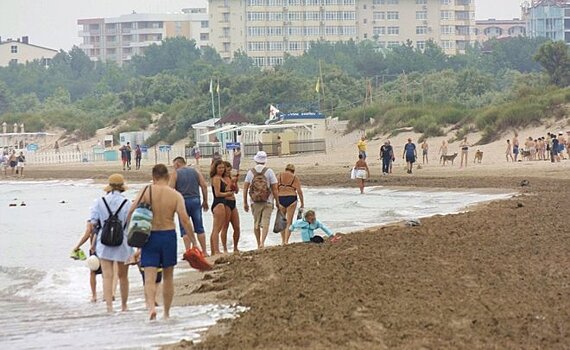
(259, 189)
(140, 225)
(196, 259)
(353, 174)
(113, 228)
(280, 222)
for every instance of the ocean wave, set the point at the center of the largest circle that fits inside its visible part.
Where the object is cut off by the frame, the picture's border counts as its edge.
(14, 280)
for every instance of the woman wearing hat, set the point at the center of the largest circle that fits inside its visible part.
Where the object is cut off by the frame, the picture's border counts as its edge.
(114, 201)
(290, 192)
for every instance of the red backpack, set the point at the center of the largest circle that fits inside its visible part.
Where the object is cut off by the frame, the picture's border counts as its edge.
(259, 189)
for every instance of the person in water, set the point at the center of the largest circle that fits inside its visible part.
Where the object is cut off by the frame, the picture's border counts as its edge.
(308, 225)
(89, 235)
(232, 215)
(221, 192)
(361, 172)
(290, 194)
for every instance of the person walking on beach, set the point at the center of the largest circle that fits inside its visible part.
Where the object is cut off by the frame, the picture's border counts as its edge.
(161, 249)
(114, 203)
(124, 159)
(362, 147)
(21, 161)
(13, 162)
(425, 148)
(232, 214)
(221, 192)
(509, 152)
(236, 159)
(138, 157)
(516, 147)
(464, 148)
(410, 155)
(189, 182)
(443, 150)
(387, 156)
(261, 186)
(90, 235)
(290, 194)
(361, 172)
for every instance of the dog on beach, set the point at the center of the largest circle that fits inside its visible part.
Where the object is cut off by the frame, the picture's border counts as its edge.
(448, 158)
(525, 154)
(478, 157)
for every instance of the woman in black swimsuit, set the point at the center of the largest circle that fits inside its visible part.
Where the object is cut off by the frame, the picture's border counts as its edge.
(219, 204)
(232, 215)
(289, 188)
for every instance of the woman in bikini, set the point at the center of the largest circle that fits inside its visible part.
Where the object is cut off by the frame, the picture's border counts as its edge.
(232, 215)
(220, 192)
(290, 192)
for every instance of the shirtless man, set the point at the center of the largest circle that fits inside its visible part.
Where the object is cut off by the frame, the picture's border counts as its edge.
(509, 151)
(425, 148)
(442, 150)
(516, 146)
(161, 250)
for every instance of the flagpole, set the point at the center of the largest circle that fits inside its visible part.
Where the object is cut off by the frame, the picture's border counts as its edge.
(219, 103)
(212, 95)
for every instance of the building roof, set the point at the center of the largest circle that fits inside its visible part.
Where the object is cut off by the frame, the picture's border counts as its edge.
(232, 118)
(12, 42)
(210, 123)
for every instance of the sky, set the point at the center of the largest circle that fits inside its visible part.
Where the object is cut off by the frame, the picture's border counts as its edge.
(53, 23)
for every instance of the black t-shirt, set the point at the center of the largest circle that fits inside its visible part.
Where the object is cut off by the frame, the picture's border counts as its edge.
(386, 151)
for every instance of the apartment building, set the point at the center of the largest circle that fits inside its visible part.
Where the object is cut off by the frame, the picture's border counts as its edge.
(15, 51)
(119, 39)
(548, 19)
(499, 28)
(268, 29)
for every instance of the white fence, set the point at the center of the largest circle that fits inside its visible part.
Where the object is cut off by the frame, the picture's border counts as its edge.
(152, 155)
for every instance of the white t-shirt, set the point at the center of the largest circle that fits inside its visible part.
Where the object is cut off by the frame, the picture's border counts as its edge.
(269, 175)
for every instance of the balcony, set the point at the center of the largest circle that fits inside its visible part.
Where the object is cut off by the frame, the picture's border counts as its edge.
(148, 31)
(144, 43)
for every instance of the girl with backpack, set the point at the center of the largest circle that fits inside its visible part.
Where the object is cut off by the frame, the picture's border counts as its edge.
(290, 193)
(111, 245)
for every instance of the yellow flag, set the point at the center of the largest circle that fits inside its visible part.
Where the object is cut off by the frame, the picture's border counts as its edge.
(318, 86)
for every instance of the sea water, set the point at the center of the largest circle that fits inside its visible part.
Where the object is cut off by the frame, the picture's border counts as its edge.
(44, 295)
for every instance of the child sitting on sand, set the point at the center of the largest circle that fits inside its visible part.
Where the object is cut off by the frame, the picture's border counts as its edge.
(308, 225)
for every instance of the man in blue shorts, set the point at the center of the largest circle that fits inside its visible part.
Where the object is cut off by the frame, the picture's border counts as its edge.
(410, 155)
(189, 182)
(161, 249)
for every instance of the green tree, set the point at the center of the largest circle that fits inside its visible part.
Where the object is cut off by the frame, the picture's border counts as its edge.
(554, 58)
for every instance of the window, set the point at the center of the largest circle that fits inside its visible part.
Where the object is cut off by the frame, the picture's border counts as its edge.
(421, 30)
(392, 2)
(226, 47)
(421, 15)
(447, 30)
(393, 31)
(204, 36)
(204, 24)
(255, 46)
(421, 2)
(226, 32)
(14, 49)
(446, 2)
(420, 45)
(446, 15)
(393, 15)
(379, 15)
(379, 31)
(393, 44)
(226, 17)
(13, 61)
(447, 44)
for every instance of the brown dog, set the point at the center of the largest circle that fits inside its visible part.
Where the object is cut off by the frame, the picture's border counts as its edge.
(478, 157)
(449, 158)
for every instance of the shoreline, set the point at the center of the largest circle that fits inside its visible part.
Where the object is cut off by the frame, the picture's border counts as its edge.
(293, 289)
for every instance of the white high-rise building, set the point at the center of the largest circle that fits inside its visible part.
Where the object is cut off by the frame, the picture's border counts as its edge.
(268, 29)
(120, 38)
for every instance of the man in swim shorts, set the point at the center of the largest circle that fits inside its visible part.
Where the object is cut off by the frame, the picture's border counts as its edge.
(161, 249)
(410, 155)
(189, 182)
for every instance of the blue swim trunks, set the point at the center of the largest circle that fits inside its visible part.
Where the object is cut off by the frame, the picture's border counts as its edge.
(160, 250)
(194, 211)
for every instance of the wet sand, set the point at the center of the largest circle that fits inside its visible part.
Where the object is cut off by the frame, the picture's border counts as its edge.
(494, 277)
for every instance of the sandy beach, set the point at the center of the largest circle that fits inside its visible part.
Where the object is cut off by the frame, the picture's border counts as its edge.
(493, 277)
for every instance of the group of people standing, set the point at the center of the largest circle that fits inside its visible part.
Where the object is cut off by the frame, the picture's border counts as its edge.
(550, 147)
(184, 192)
(126, 156)
(13, 162)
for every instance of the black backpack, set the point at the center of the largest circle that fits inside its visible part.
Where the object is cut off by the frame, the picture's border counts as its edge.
(113, 228)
